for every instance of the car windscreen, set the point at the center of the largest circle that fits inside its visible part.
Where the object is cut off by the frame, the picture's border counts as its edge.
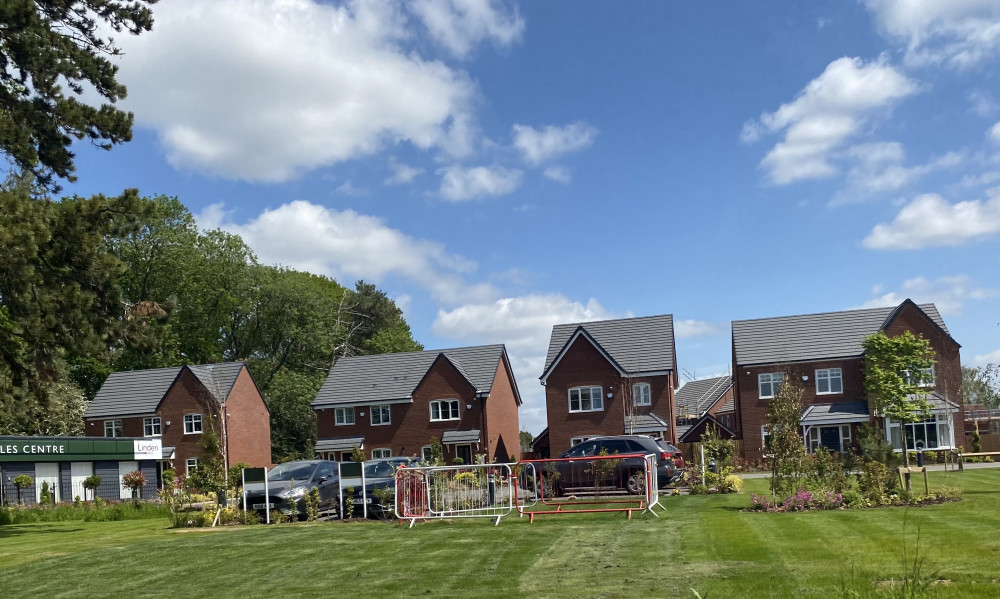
(380, 469)
(291, 471)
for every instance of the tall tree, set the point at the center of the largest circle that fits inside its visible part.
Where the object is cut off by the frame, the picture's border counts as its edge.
(896, 372)
(981, 386)
(45, 44)
(784, 440)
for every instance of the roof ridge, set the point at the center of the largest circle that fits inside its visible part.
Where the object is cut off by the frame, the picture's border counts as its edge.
(585, 322)
(849, 311)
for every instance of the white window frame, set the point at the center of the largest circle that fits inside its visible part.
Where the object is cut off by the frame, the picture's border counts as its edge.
(189, 424)
(764, 434)
(813, 440)
(426, 453)
(114, 427)
(340, 416)
(442, 406)
(379, 410)
(944, 430)
(381, 452)
(829, 375)
(642, 394)
(152, 427)
(190, 465)
(577, 440)
(596, 405)
(774, 379)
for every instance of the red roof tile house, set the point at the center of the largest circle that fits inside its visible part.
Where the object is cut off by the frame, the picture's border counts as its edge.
(825, 351)
(394, 404)
(610, 377)
(179, 404)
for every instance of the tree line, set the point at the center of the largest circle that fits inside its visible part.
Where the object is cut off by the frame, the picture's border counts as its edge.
(90, 286)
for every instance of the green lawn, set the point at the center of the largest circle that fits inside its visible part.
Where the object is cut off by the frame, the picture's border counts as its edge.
(704, 543)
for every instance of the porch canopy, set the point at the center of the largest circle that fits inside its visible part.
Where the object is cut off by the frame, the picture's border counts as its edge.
(835, 413)
(339, 444)
(460, 437)
(646, 423)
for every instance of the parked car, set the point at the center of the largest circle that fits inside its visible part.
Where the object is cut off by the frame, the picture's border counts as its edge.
(379, 474)
(627, 473)
(288, 484)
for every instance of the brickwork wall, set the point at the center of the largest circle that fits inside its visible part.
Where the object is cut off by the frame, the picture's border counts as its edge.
(502, 423)
(248, 424)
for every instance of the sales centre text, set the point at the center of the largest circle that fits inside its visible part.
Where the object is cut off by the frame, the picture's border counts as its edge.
(28, 449)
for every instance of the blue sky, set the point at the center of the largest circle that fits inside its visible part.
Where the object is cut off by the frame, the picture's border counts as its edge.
(500, 167)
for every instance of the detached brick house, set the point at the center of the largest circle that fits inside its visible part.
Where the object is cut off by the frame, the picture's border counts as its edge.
(393, 404)
(824, 350)
(593, 369)
(703, 403)
(178, 405)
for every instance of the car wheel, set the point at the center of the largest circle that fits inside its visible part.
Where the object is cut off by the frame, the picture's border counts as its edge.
(636, 483)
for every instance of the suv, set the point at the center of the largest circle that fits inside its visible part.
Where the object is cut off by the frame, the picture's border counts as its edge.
(288, 484)
(627, 472)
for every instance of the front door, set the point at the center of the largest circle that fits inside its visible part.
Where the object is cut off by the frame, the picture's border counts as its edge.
(464, 452)
(47, 473)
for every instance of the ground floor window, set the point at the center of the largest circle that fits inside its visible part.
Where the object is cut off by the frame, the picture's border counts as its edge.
(427, 453)
(833, 438)
(577, 440)
(933, 433)
(381, 453)
(192, 465)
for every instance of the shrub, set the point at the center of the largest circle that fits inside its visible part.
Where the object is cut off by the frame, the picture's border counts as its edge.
(45, 496)
(312, 505)
(98, 502)
(229, 516)
(457, 461)
(134, 481)
(977, 441)
(348, 503)
(853, 499)
(872, 481)
(468, 478)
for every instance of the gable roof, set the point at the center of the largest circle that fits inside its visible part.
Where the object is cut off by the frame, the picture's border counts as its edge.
(815, 336)
(695, 397)
(633, 345)
(695, 432)
(141, 391)
(394, 377)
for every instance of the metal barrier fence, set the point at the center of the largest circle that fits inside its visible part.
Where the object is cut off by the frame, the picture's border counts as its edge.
(612, 483)
(615, 483)
(474, 491)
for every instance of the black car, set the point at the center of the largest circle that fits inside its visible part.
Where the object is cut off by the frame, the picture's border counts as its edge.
(624, 474)
(379, 474)
(288, 484)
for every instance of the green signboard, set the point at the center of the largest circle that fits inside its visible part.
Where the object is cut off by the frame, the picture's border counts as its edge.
(254, 475)
(351, 469)
(78, 449)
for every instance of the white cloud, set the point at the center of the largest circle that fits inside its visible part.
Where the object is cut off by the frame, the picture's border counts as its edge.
(540, 145)
(401, 173)
(460, 184)
(957, 33)
(459, 25)
(559, 174)
(828, 111)
(879, 168)
(982, 103)
(992, 357)
(348, 189)
(949, 294)
(689, 328)
(524, 324)
(265, 90)
(929, 220)
(348, 245)
(994, 133)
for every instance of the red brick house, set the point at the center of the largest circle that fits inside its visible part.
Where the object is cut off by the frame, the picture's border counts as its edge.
(824, 351)
(394, 404)
(179, 404)
(703, 403)
(610, 377)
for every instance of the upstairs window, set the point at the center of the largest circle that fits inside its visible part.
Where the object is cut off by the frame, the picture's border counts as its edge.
(642, 394)
(444, 409)
(586, 399)
(380, 415)
(192, 424)
(924, 378)
(829, 381)
(768, 384)
(381, 453)
(112, 428)
(151, 427)
(343, 416)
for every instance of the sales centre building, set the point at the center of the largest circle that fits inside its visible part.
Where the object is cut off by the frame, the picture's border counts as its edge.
(65, 462)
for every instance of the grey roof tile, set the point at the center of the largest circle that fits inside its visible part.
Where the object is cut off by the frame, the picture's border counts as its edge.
(810, 337)
(646, 423)
(339, 443)
(394, 377)
(644, 344)
(697, 396)
(140, 391)
(834, 413)
(462, 436)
